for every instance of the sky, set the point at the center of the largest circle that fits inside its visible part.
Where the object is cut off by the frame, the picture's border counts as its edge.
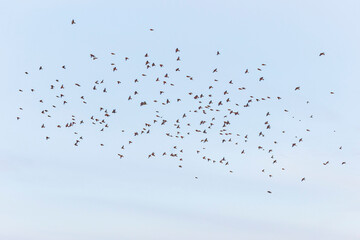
(54, 190)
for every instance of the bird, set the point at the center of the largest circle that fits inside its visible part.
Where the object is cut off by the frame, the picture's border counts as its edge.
(73, 22)
(192, 113)
(322, 54)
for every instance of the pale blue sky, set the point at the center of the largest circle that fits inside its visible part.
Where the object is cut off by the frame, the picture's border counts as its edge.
(52, 190)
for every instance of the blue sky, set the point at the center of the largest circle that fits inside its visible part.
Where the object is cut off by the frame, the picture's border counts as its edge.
(53, 190)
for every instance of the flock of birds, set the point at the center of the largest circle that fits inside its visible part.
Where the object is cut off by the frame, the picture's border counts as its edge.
(214, 113)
